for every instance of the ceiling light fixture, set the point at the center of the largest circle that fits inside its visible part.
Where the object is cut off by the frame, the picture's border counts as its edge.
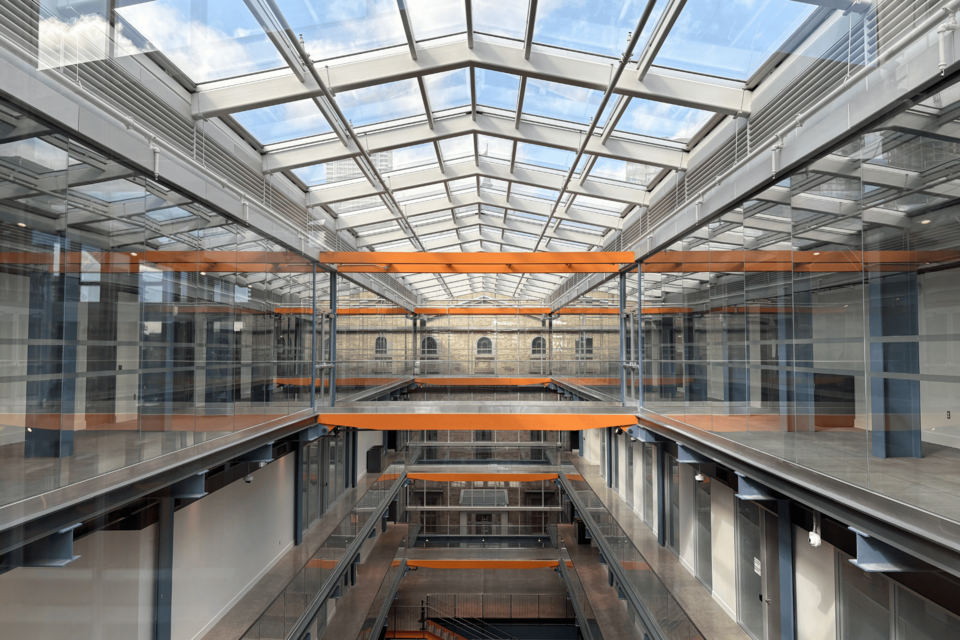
(20, 224)
(924, 222)
(133, 253)
(816, 253)
(203, 273)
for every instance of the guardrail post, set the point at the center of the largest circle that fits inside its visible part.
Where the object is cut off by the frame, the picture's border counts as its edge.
(623, 338)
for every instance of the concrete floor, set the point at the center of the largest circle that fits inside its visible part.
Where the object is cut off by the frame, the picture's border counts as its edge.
(696, 601)
(256, 601)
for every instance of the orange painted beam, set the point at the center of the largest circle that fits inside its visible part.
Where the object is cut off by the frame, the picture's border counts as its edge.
(482, 477)
(589, 311)
(481, 268)
(482, 382)
(483, 564)
(304, 311)
(475, 258)
(479, 311)
(373, 311)
(476, 421)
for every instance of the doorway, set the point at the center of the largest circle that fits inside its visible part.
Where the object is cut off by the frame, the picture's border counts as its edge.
(758, 571)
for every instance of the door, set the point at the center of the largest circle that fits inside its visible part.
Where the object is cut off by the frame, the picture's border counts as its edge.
(704, 549)
(758, 575)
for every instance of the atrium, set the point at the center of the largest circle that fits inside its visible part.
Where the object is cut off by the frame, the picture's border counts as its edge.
(505, 319)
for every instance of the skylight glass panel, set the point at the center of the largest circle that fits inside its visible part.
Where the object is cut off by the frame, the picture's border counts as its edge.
(661, 120)
(493, 185)
(381, 102)
(560, 101)
(506, 18)
(601, 26)
(111, 191)
(549, 157)
(335, 28)
(462, 185)
(496, 89)
(419, 193)
(168, 214)
(416, 156)
(629, 172)
(456, 148)
(222, 40)
(449, 89)
(491, 147)
(535, 192)
(730, 39)
(605, 206)
(286, 121)
(435, 18)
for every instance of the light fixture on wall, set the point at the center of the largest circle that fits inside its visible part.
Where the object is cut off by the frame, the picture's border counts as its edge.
(619, 431)
(814, 535)
(699, 477)
(21, 225)
(924, 222)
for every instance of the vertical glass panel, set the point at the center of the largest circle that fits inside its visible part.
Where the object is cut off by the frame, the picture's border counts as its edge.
(206, 39)
(284, 121)
(338, 28)
(730, 39)
(381, 102)
(920, 619)
(704, 540)
(864, 603)
(661, 120)
(497, 89)
(750, 569)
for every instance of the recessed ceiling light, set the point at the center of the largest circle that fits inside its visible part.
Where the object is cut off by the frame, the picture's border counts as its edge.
(20, 224)
(924, 222)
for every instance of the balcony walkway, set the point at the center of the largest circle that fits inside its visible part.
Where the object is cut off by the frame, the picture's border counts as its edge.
(712, 621)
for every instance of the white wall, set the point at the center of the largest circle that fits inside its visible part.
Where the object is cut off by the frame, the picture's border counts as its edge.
(688, 519)
(225, 542)
(591, 439)
(724, 547)
(106, 594)
(816, 589)
(365, 440)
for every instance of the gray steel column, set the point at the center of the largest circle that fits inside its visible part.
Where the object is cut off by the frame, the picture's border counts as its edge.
(356, 456)
(623, 338)
(333, 338)
(298, 494)
(313, 341)
(788, 600)
(640, 333)
(609, 456)
(661, 504)
(164, 581)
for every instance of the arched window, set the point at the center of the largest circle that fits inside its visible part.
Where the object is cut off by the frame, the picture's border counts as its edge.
(380, 346)
(428, 347)
(484, 347)
(584, 347)
(538, 347)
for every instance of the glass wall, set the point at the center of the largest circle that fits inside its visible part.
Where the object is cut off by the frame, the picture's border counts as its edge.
(818, 321)
(133, 321)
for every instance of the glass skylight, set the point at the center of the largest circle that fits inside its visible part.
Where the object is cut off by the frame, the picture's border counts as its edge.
(730, 39)
(435, 18)
(449, 89)
(662, 120)
(561, 101)
(336, 28)
(600, 26)
(286, 121)
(221, 40)
(496, 89)
(506, 18)
(381, 102)
(549, 157)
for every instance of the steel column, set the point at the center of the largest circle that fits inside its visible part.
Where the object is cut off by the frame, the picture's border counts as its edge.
(609, 457)
(623, 338)
(163, 612)
(640, 333)
(788, 600)
(298, 494)
(313, 340)
(661, 505)
(333, 338)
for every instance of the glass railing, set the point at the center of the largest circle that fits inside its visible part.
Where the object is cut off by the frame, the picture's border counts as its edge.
(385, 592)
(283, 614)
(480, 453)
(578, 595)
(662, 607)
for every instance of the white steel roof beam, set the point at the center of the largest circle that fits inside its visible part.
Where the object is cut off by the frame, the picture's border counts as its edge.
(660, 33)
(531, 23)
(278, 158)
(267, 89)
(407, 27)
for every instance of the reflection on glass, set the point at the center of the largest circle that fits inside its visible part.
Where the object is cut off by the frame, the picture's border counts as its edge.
(436, 18)
(454, 149)
(339, 28)
(449, 89)
(207, 40)
(500, 17)
(286, 121)
(730, 39)
(561, 101)
(598, 27)
(661, 120)
(497, 89)
(541, 156)
(400, 99)
(491, 147)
